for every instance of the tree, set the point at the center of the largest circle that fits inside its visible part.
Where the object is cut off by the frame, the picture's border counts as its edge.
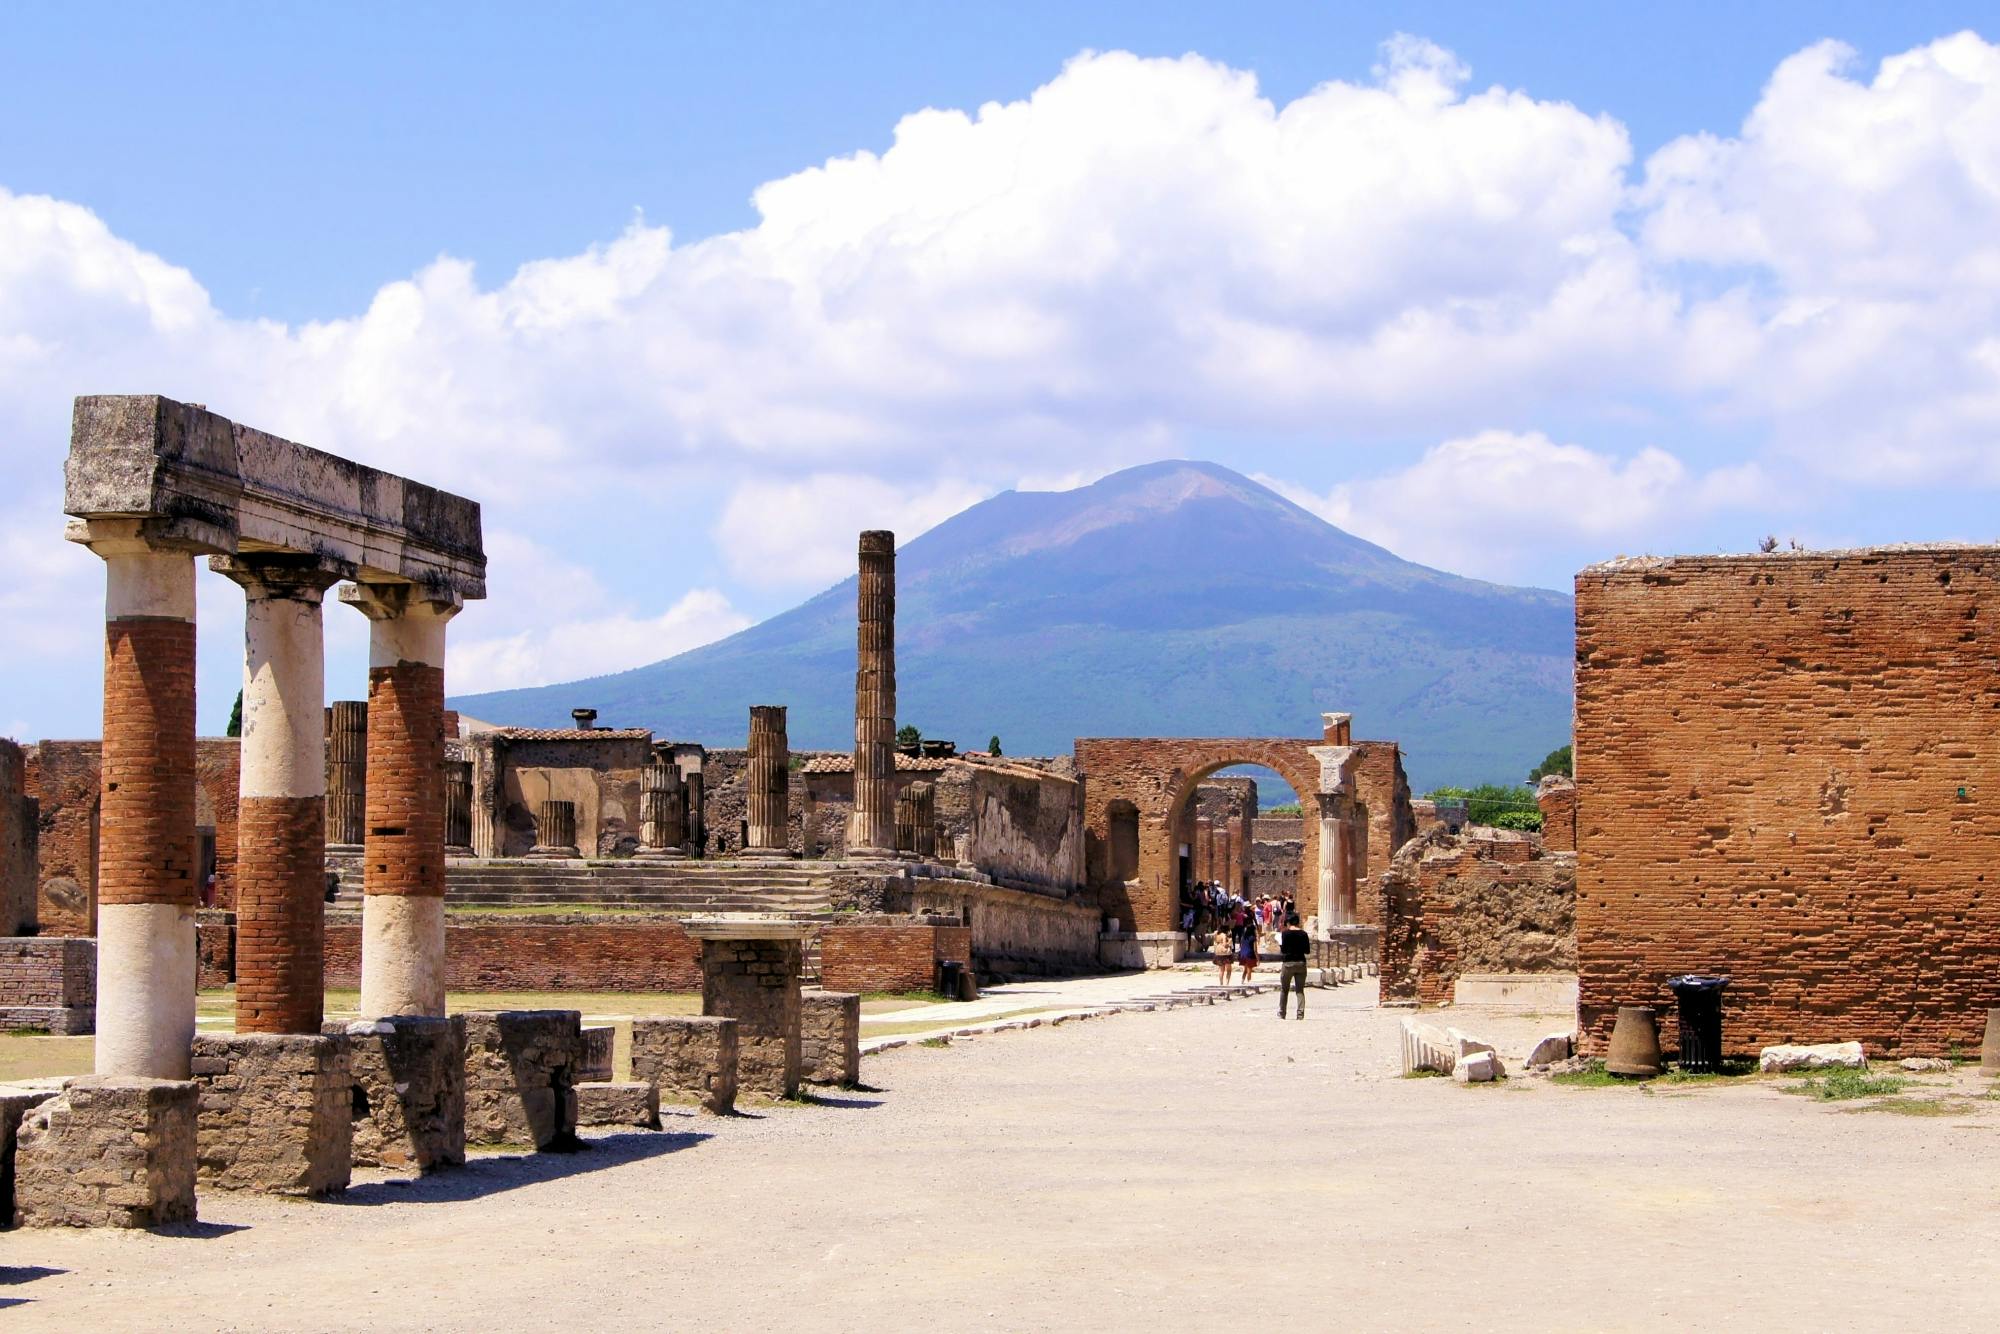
(993, 746)
(235, 727)
(908, 735)
(1490, 800)
(1557, 761)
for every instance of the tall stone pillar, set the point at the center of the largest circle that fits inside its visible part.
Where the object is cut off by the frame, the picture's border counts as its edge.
(1336, 864)
(147, 895)
(923, 818)
(662, 809)
(1204, 849)
(871, 830)
(280, 820)
(694, 812)
(346, 774)
(769, 783)
(402, 910)
(458, 807)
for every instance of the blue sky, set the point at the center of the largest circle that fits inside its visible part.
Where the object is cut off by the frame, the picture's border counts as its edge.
(687, 294)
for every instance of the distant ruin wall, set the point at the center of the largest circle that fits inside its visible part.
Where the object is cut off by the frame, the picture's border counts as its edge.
(583, 953)
(1012, 930)
(1026, 827)
(1788, 770)
(1478, 902)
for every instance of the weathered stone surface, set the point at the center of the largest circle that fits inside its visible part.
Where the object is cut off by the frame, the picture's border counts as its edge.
(14, 1103)
(594, 1065)
(688, 1059)
(1925, 1065)
(1427, 1047)
(520, 1077)
(406, 1090)
(830, 1036)
(1820, 1056)
(1479, 1067)
(108, 1151)
(756, 983)
(1555, 1047)
(275, 1112)
(603, 1103)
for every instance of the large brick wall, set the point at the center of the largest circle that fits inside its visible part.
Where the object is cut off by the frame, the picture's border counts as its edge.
(1486, 902)
(593, 953)
(889, 958)
(1788, 770)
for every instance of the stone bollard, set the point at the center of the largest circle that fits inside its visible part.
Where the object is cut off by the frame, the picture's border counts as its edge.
(830, 1037)
(108, 1151)
(689, 1058)
(275, 1112)
(406, 1090)
(520, 1077)
(1635, 1043)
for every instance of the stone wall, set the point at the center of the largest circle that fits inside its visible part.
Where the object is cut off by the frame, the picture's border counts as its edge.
(688, 1059)
(108, 1152)
(889, 956)
(1023, 826)
(520, 1077)
(598, 774)
(48, 983)
(580, 952)
(1485, 901)
(1012, 931)
(275, 1112)
(1274, 866)
(1557, 799)
(20, 829)
(407, 1089)
(756, 982)
(1786, 771)
(1380, 784)
(215, 948)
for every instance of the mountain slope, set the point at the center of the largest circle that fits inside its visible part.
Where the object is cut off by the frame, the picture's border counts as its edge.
(1174, 599)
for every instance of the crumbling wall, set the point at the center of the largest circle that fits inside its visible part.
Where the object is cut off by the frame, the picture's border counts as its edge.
(1380, 784)
(1787, 768)
(1484, 901)
(1026, 827)
(599, 776)
(1557, 799)
(20, 817)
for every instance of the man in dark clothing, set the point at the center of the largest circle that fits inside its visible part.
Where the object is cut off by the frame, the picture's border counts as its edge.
(1294, 946)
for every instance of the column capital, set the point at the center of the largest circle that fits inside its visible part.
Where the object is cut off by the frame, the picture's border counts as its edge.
(281, 574)
(131, 537)
(388, 602)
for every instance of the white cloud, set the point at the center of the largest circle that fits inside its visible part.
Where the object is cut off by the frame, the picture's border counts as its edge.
(594, 646)
(801, 535)
(1495, 502)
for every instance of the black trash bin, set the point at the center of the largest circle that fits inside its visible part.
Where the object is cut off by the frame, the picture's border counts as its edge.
(948, 974)
(1700, 1000)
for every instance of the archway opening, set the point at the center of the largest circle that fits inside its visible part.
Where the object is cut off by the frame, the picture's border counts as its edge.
(1240, 838)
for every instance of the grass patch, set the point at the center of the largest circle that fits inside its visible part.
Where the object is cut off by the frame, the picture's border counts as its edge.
(23, 1057)
(1426, 1074)
(1843, 1085)
(1739, 1069)
(907, 997)
(1917, 1106)
(1596, 1077)
(935, 1042)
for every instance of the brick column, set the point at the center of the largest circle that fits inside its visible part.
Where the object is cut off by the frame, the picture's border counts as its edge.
(402, 910)
(769, 782)
(281, 819)
(147, 895)
(871, 829)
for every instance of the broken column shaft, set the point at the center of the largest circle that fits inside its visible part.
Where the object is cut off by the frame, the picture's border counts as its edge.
(662, 809)
(872, 827)
(768, 782)
(346, 773)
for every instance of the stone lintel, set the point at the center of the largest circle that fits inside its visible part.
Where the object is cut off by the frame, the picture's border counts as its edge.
(746, 928)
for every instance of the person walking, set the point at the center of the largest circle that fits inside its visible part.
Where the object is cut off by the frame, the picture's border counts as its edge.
(1293, 947)
(1223, 949)
(1246, 951)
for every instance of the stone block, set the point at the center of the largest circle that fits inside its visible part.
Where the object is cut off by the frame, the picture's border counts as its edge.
(520, 1077)
(406, 1090)
(274, 1113)
(688, 1059)
(1479, 1067)
(830, 1037)
(1820, 1056)
(108, 1151)
(1555, 1047)
(755, 981)
(594, 1066)
(1925, 1065)
(603, 1103)
(14, 1103)
(48, 984)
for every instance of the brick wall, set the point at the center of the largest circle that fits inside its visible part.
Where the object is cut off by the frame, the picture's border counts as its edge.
(1557, 799)
(1473, 903)
(1788, 771)
(889, 958)
(593, 953)
(48, 971)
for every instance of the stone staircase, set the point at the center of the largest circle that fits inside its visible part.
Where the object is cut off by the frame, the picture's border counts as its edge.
(636, 885)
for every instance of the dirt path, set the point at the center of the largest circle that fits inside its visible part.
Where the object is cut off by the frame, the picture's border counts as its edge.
(1121, 1173)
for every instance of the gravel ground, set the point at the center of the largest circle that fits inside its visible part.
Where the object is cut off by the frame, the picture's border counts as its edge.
(1175, 1170)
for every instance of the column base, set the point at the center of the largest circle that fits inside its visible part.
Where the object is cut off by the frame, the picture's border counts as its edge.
(554, 854)
(871, 855)
(770, 854)
(661, 854)
(275, 1113)
(520, 1077)
(108, 1151)
(688, 1059)
(406, 1090)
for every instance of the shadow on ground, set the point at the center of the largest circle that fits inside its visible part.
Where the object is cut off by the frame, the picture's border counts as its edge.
(485, 1175)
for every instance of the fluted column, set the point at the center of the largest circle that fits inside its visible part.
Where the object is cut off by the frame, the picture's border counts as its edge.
(281, 810)
(402, 910)
(769, 783)
(346, 774)
(871, 830)
(694, 811)
(662, 809)
(458, 807)
(923, 812)
(1336, 870)
(147, 895)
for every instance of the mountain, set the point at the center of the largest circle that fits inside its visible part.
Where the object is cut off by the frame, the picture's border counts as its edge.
(1174, 599)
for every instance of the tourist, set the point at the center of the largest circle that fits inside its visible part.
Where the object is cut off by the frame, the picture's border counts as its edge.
(1223, 949)
(1246, 951)
(1293, 947)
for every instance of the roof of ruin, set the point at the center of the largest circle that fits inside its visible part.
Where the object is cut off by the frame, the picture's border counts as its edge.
(576, 733)
(844, 764)
(1624, 563)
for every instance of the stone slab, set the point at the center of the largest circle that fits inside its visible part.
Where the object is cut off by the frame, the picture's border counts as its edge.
(594, 1066)
(1819, 1056)
(604, 1103)
(1520, 991)
(108, 1152)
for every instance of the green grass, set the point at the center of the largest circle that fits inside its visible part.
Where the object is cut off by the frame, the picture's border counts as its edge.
(1917, 1106)
(1842, 1085)
(1425, 1074)
(912, 997)
(1596, 1077)
(935, 1042)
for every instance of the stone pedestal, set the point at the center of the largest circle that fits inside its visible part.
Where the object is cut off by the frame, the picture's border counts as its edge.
(520, 1077)
(750, 973)
(406, 1090)
(688, 1059)
(593, 1063)
(768, 784)
(275, 1113)
(830, 1037)
(632, 1106)
(14, 1104)
(48, 983)
(108, 1151)
(555, 831)
(662, 810)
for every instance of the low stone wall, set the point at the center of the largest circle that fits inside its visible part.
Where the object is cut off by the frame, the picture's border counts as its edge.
(108, 1152)
(576, 952)
(275, 1112)
(830, 1036)
(1482, 901)
(406, 1090)
(889, 955)
(48, 983)
(520, 1077)
(689, 1058)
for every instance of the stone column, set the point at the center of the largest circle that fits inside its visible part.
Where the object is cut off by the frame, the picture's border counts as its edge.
(402, 911)
(1224, 864)
(906, 823)
(694, 813)
(346, 774)
(280, 821)
(871, 829)
(769, 783)
(458, 807)
(662, 809)
(923, 810)
(1204, 849)
(1335, 864)
(555, 830)
(147, 895)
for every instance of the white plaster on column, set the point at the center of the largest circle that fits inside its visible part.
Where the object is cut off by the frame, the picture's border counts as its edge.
(146, 972)
(140, 581)
(1330, 850)
(402, 955)
(284, 698)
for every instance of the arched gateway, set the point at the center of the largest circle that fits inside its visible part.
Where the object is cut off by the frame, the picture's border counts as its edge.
(1137, 792)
